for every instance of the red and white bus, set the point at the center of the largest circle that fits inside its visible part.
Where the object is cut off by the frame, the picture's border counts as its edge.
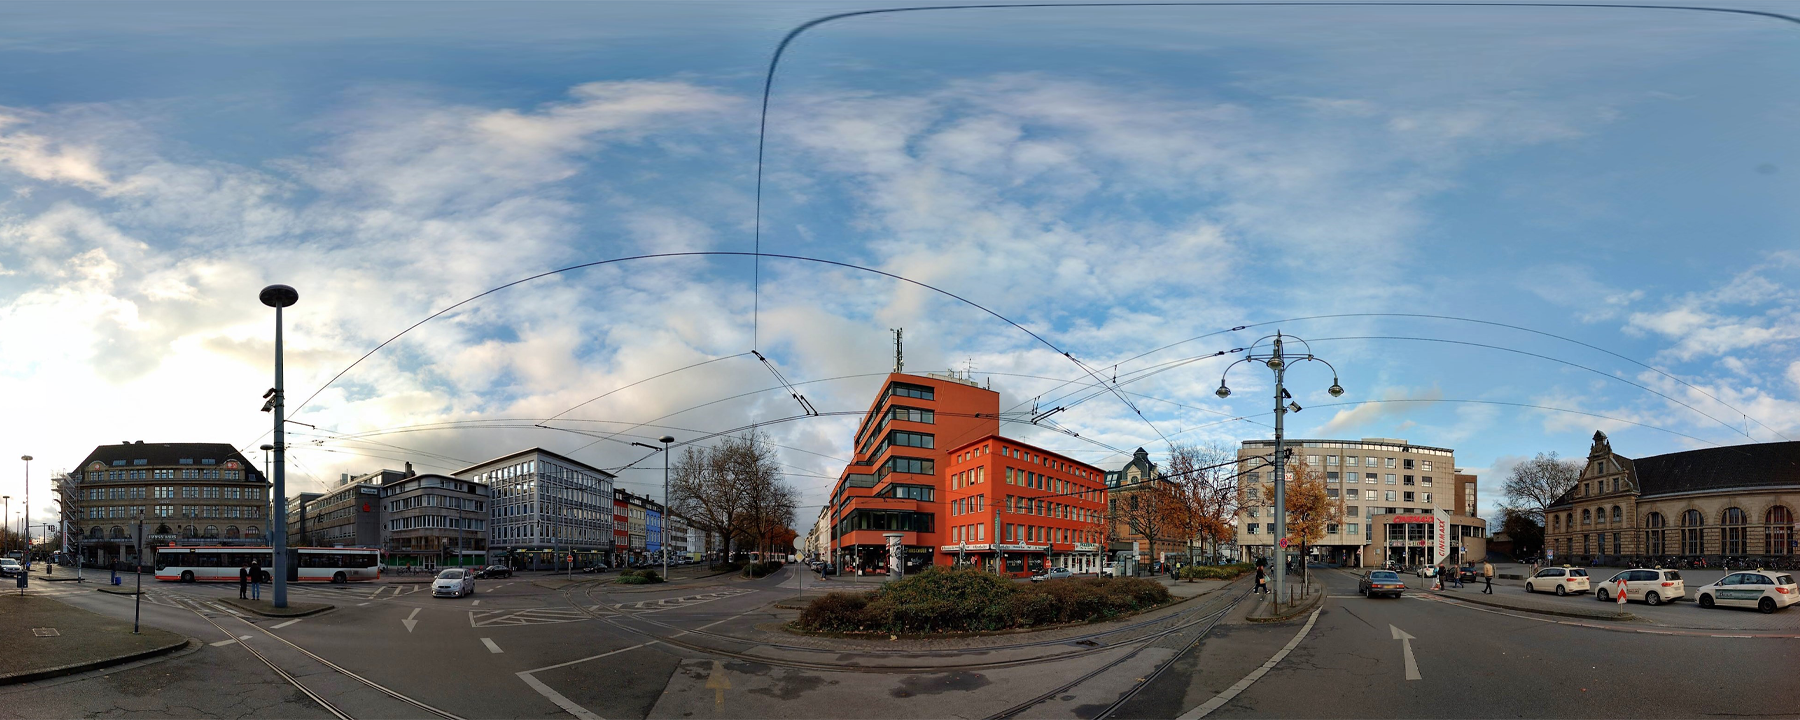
(220, 564)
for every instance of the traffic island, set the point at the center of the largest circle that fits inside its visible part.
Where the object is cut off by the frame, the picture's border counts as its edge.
(266, 608)
(59, 639)
(1560, 607)
(1270, 611)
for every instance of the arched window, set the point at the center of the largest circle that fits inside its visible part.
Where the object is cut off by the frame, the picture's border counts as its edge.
(1618, 516)
(1735, 531)
(163, 530)
(251, 532)
(96, 534)
(118, 532)
(1653, 534)
(190, 532)
(1692, 542)
(1587, 518)
(1555, 523)
(1778, 531)
(212, 531)
(231, 532)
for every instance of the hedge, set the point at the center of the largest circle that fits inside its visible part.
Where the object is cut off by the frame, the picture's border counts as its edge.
(760, 569)
(943, 599)
(1214, 572)
(639, 577)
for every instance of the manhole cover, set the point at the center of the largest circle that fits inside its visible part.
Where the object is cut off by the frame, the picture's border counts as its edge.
(45, 632)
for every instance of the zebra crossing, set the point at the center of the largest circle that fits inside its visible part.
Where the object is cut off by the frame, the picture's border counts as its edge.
(650, 606)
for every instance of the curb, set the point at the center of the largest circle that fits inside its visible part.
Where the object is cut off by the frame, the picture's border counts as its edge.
(1587, 615)
(108, 590)
(1302, 609)
(81, 667)
(290, 612)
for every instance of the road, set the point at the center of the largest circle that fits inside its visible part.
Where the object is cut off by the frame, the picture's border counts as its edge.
(711, 647)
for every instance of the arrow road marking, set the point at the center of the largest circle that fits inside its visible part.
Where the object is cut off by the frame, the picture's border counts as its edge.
(1412, 664)
(718, 683)
(409, 621)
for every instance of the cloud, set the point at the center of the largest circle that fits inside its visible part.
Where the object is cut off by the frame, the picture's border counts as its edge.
(41, 157)
(1371, 413)
(1574, 286)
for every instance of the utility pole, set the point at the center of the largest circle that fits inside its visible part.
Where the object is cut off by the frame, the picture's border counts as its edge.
(1277, 359)
(278, 297)
(27, 459)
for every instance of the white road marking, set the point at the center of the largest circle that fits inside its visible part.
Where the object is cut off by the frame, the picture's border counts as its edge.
(223, 643)
(495, 649)
(566, 704)
(585, 659)
(362, 604)
(1732, 636)
(1412, 664)
(473, 604)
(409, 622)
(1219, 700)
(285, 624)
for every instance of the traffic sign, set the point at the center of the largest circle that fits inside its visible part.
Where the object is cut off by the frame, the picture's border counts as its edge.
(1284, 543)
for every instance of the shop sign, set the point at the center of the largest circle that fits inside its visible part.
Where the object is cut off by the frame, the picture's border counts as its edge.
(969, 547)
(1411, 519)
(1025, 548)
(1087, 547)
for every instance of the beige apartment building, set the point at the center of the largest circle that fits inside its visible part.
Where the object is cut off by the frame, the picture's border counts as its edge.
(1401, 503)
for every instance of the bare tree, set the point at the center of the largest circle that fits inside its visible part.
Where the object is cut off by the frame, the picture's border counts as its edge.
(1203, 494)
(734, 489)
(1535, 484)
(1145, 508)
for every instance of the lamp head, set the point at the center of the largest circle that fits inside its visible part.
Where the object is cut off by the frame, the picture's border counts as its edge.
(1336, 390)
(26, 458)
(667, 439)
(1223, 392)
(1275, 363)
(266, 447)
(278, 296)
(1293, 407)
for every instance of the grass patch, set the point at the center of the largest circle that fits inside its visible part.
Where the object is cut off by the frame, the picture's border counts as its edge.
(941, 600)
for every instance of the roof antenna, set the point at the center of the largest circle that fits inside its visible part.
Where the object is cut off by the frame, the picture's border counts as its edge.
(899, 354)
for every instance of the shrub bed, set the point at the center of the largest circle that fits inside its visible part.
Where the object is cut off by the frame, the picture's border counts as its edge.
(727, 566)
(1214, 572)
(638, 577)
(968, 600)
(762, 568)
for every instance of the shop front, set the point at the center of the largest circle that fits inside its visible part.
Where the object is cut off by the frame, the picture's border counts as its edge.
(1414, 540)
(1082, 558)
(1022, 560)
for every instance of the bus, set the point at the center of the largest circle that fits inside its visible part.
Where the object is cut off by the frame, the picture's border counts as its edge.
(220, 564)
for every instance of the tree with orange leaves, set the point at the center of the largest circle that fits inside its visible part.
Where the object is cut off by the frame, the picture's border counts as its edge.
(1310, 510)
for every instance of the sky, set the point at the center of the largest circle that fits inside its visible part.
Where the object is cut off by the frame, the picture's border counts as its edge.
(1504, 228)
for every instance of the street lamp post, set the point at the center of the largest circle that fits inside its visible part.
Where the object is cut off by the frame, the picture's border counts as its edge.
(8, 500)
(1278, 360)
(665, 440)
(27, 528)
(278, 297)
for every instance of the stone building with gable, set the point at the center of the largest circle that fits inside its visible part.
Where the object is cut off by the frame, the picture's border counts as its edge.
(1736, 501)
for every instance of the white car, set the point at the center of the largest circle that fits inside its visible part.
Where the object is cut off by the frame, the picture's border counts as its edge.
(1052, 574)
(453, 583)
(11, 568)
(1761, 589)
(1425, 571)
(1560, 580)
(1653, 587)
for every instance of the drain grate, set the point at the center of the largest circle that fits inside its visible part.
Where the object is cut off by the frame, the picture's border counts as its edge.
(45, 632)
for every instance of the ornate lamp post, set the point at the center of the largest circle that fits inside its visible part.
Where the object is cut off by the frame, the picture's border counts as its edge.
(1278, 359)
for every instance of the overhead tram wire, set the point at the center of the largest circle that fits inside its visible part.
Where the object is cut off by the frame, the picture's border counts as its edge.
(645, 380)
(1508, 326)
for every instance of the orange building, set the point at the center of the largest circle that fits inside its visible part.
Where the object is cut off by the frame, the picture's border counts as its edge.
(931, 476)
(1016, 509)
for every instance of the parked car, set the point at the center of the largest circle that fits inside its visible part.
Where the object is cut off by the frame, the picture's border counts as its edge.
(494, 571)
(1380, 582)
(1761, 589)
(454, 582)
(1563, 580)
(1052, 574)
(1468, 573)
(11, 568)
(1652, 587)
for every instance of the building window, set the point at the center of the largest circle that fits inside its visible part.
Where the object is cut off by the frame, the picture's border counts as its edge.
(1692, 540)
(1424, 497)
(1253, 528)
(1407, 497)
(1390, 496)
(1407, 464)
(1426, 481)
(1408, 480)
(1587, 518)
(1350, 511)
(1390, 462)
(1653, 534)
(1390, 478)
(1425, 465)
(1350, 461)
(1735, 531)
(1350, 529)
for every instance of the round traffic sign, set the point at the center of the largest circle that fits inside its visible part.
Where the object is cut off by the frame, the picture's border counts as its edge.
(1284, 543)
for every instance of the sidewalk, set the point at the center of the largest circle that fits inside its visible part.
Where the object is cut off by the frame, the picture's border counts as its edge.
(59, 639)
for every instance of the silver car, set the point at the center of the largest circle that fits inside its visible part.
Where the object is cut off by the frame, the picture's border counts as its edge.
(453, 583)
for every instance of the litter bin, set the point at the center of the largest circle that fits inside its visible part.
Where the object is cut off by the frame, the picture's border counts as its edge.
(116, 580)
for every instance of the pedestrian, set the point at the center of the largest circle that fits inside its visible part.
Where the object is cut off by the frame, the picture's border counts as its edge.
(1456, 576)
(256, 574)
(1262, 580)
(243, 581)
(1487, 578)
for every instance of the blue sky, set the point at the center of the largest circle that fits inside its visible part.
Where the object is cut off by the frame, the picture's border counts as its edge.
(1115, 179)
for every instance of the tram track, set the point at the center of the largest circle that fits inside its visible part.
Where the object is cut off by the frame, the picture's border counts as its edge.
(1086, 644)
(192, 603)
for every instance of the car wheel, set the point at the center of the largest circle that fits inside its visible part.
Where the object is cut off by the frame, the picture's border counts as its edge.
(1561, 591)
(1528, 588)
(187, 576)
(1601, 595)
(1706, 601)
(1652, 599)
(1766, 606)
(339, 579)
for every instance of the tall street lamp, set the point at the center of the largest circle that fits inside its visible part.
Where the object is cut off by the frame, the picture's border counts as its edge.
(9, 541)
(665, 440)
(278, 297)
(27, 459)
(1277, 360)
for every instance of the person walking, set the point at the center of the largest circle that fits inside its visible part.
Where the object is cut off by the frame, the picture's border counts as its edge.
(1487, 578)
(1456, 576)
(1262, 580)
(243, 581)
(255, 580)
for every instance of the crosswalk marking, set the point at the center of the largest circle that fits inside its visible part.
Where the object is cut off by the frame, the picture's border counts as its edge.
(533, 616)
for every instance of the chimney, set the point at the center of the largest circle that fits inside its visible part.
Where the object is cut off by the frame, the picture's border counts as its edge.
(409, 470)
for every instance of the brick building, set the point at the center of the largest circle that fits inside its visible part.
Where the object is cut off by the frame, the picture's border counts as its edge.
(186, 493)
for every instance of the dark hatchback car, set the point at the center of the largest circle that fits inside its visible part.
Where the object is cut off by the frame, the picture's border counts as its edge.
(1468, 573)
(1381, 582)
(494, 571)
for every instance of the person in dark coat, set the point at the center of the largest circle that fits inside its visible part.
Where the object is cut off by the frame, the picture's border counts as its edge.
(1262, 580)
(243, 581)
(256, 577)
